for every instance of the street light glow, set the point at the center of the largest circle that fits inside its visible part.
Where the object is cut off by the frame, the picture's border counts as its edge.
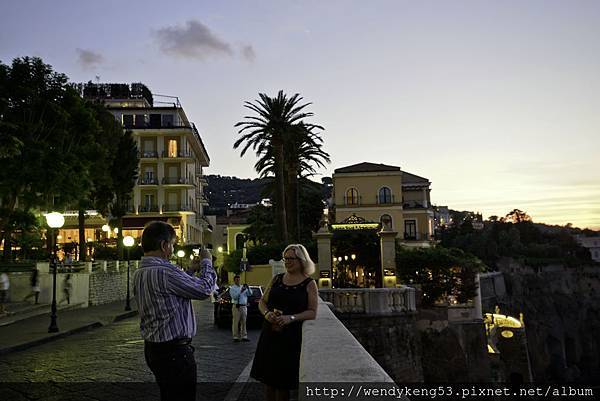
(55, 220)
(128, 241)
(180, 253)
(105, 228)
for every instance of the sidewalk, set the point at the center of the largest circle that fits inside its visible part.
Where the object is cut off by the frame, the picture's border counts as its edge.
(26, 333)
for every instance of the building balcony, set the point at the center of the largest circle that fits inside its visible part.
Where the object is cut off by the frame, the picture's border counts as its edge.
(357, 201)
(179, 155)
(203, 200)
(148, 209)
(202, 181)
(148, 154)
(408, 236)
(177, 181)
(148, 181)
(413, 204)
(177, 208)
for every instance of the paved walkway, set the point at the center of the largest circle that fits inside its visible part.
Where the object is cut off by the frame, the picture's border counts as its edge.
(20, 331)
(107, 363)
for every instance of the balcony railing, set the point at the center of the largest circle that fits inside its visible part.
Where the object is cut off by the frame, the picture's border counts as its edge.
(418, 236)
(148, 154)
(180, 154)
(148, 181)
(177, 181)
(371, 301)
(413, 204)
(385, 200)
(177, 208)
(353, 201)
(148, 208)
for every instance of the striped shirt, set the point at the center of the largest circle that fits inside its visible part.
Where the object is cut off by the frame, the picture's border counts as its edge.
(164, 296)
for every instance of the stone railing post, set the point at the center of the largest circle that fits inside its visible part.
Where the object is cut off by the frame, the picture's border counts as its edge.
(104, 266)
(323, 237)
(88, 267)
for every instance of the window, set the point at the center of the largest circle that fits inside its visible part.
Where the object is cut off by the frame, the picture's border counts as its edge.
(148, 175)
(239, 241)
(352, 197)
(148, 201)
(155, 120)
(140, 120)
(410, 229)
(385, 195)
(386, 221)
(172, 148)
(127, 120)
(167, 120)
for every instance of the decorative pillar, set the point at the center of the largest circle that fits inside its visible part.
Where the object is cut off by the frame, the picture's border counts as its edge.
(387, 239)
(323, 237)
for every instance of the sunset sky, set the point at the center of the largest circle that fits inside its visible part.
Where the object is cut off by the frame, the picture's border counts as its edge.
(497, 103)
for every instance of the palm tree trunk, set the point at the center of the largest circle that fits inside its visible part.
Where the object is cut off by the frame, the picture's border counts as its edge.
(292, 202)
(280, 191)
(82, 243)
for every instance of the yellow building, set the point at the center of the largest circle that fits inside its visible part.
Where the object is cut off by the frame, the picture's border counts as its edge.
(383, 194)
(172, 156)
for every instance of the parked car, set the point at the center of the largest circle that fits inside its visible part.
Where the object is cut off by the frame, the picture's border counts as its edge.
(222, 305)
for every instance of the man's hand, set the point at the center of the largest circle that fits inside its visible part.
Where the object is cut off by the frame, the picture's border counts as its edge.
(195, 266)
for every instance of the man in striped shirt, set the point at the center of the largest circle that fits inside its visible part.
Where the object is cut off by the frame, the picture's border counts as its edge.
(164, 296)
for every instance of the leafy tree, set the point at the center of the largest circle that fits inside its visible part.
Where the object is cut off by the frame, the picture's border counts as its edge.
(124, 172)
(439, 272)
(517, 216)
(45, 127)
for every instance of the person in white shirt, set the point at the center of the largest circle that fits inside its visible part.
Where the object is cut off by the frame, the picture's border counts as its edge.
(239, 309)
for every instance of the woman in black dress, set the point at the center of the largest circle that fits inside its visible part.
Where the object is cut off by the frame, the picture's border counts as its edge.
(290, 299)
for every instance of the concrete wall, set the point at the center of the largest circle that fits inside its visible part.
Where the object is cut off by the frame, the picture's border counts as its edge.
(105, 287)
(20, 287)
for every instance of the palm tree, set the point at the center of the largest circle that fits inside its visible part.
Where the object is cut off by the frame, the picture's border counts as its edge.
(302, 153)
(267, 133)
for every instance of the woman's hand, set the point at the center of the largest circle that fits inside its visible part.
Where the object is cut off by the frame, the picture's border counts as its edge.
(283, 320)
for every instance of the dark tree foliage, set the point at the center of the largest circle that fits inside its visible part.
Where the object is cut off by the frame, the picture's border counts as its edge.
(516, 236)
(439, 272)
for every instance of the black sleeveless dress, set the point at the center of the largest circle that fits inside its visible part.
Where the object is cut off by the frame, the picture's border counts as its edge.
(277, 357)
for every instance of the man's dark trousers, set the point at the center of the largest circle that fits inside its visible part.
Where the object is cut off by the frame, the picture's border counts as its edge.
(174, 367)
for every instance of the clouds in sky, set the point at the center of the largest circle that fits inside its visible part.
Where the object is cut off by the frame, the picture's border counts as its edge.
(194, 40)
(88, 59)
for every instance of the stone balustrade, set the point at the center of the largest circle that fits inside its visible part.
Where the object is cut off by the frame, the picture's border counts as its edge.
(371, 301)
(330, 353)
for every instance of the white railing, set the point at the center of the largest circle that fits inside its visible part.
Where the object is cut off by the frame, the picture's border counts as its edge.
(371, 301)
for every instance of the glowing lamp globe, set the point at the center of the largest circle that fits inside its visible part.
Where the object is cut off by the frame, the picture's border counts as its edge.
(55, 220)
(128, 241)
(180, 253)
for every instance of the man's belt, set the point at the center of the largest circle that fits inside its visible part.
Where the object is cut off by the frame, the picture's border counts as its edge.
(238, 305)
(170, 343)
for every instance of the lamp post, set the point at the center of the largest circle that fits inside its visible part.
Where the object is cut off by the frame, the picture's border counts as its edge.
(55, 221)
(180, 255)
(128, 241)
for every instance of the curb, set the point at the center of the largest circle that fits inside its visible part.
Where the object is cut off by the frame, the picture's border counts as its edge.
(58, 336)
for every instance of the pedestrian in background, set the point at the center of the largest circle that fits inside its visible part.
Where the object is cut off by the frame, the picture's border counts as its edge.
(35, 285)
(239, 309)
(67, 287)
(4, 287)
(290, 299)
(163, 294)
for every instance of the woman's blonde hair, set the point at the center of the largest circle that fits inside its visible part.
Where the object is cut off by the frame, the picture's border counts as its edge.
(308, 266)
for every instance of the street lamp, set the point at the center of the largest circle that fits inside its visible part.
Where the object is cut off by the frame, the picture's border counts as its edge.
(128, 241)
(180, 255)
(55, 221)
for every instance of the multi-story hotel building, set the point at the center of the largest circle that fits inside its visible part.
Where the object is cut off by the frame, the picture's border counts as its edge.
(377, 193)
(172, 156)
